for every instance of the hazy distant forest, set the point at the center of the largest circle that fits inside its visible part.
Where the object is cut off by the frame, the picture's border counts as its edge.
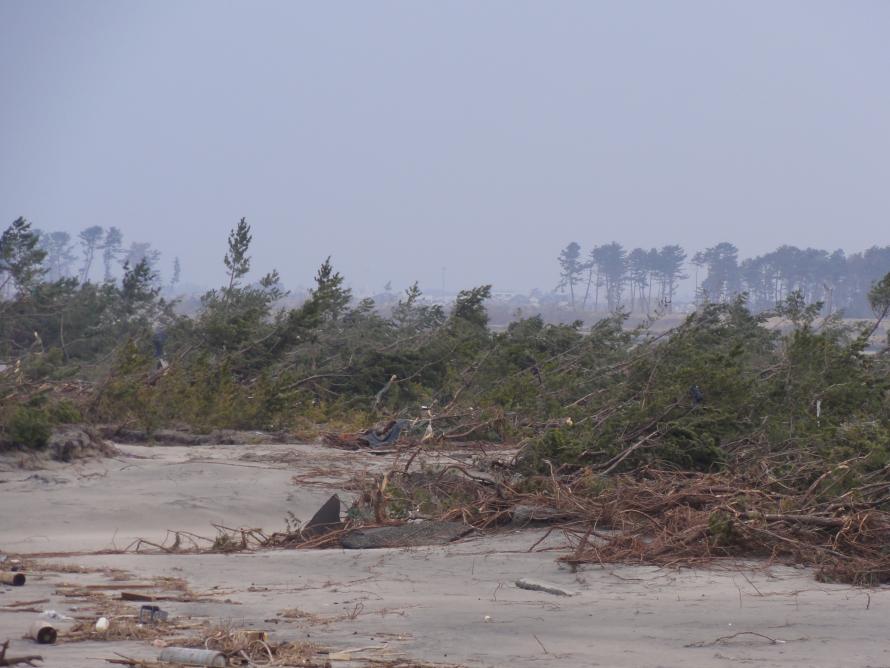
(115, 351)
(605, 279)
(610, 277)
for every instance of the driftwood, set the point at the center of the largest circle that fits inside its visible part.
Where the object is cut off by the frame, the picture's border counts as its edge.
(134, 663)
(26, 660)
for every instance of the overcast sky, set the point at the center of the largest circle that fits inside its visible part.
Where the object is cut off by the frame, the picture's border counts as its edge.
(403, 137)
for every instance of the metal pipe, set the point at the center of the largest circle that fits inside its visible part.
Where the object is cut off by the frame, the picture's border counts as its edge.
(14, 579)
(193, 657)
(43, 632)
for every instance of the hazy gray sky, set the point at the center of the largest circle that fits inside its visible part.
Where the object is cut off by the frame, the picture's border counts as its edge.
(402, 137)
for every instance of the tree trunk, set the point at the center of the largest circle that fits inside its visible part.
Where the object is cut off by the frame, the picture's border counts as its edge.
(587, 289)
(596, 303)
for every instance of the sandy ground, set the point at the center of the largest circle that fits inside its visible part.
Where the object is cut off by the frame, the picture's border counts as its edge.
(451, 605)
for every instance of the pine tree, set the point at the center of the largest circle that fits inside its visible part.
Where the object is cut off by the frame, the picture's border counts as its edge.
(111, 249)
(21, 258)
(90, 239)
(236, 260)
(571, 267)
(177, 270)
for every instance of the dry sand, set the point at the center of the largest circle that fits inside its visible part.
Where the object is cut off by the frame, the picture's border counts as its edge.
(453, 605)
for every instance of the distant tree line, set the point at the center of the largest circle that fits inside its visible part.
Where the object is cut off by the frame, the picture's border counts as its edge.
(65, 256)
(609, 277)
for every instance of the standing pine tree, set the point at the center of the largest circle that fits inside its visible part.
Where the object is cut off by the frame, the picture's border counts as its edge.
(138, 288)
(879, 300)
(611, 260)
(177, 271)
(111, 249)
(59, 254)
(670, 271)
(698, 261)
(723, 280)
(571, 268)
(329, 296)
(21, 258)
(237, 260)
(90, 239)
(638, 273)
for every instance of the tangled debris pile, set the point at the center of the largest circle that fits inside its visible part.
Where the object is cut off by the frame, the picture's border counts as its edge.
(761, 505)
(674, 518)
